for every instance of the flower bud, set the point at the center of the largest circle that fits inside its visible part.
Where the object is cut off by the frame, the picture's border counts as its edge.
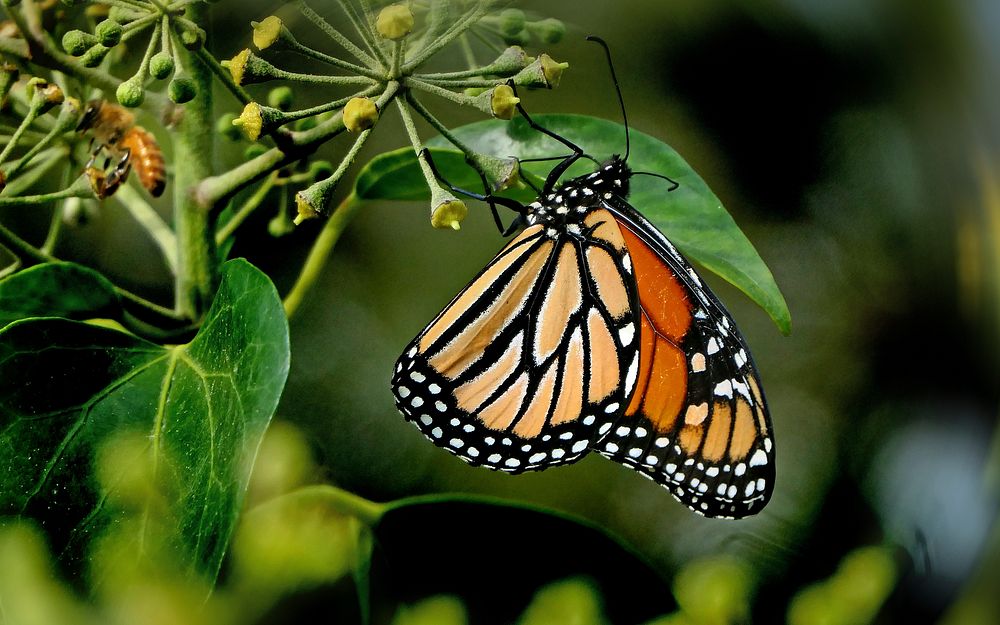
(266, 32)
(44, 94)
(394, 22)
(447, 211)
(182, 89)
(520, 38)
(161, 65)
(550, 30)
(542, 73)
(502, 173)
(76, 42)
(281, 98)
(193, 38)
(8, 76)
(314, 200)
(247, 68)
(511, 60)
(503, 102)
(94, 55)
(280, 224)
(360, 114)
(109, 33)
(511, 22)
(251, 121)
(131, 92)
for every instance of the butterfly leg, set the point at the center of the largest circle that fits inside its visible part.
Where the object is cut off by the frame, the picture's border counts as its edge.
(560, 169)
(488, 197)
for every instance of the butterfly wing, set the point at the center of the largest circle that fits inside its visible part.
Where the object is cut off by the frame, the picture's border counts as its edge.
(528, 366)
(698, 422)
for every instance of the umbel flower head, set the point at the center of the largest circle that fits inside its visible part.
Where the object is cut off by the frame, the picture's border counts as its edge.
(385, 71)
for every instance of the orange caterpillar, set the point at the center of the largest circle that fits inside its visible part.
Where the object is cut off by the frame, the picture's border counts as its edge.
(114, 130)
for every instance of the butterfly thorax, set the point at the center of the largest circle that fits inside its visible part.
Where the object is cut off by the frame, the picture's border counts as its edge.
(566, 207)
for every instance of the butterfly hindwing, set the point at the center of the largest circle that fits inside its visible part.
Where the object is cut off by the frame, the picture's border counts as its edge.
(527, 367)
(698, 423)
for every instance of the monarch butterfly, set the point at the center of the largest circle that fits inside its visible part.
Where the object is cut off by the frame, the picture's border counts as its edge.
(590, 332)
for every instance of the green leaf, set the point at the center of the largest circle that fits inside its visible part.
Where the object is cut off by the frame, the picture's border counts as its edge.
(57, 290)
(122, 449)
(691, 216)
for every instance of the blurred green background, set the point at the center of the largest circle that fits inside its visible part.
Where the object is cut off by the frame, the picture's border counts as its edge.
(857, 143)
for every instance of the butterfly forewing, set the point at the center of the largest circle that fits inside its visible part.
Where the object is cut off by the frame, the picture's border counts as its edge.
(697, 422)
(528, 366)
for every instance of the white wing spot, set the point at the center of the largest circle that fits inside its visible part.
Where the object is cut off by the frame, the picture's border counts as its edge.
(759, 458)
(579, 446)
(713, 346)
(457, 443)
(416, 376)
(404, 392)
(416, 402)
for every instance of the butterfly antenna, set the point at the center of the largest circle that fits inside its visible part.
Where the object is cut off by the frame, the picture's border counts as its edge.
(618, 89)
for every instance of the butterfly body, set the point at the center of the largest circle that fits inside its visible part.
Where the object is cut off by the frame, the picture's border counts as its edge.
(590, 332)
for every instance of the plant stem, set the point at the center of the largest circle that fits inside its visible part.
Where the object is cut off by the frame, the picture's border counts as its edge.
(247, 209)
(80, 188)
(339, 500)
(454, 31)
(320, 251)
(334, 34)
(193, 149)
(151, 221)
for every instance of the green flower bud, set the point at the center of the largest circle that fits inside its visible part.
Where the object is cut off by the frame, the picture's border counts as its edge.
(182, 89)
(549, 30)
(520, 38)
(447, 211)
(94, 55)
(511, 60)
(281, 98)
(360, 114)
(502, 173)
(253, 151)
(225, 127)
(394, 22)
(511, 22)
(131, 93)
(474, 91)
(109, 32)
(161, 65)
(314, 201)
(193, 38)
(76, 42)
(266, 32)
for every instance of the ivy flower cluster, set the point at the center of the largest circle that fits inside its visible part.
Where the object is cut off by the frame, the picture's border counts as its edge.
(386, 71)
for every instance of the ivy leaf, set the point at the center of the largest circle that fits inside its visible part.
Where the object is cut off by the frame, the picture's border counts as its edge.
(691, 216)
(57, 290)
(105, 435)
